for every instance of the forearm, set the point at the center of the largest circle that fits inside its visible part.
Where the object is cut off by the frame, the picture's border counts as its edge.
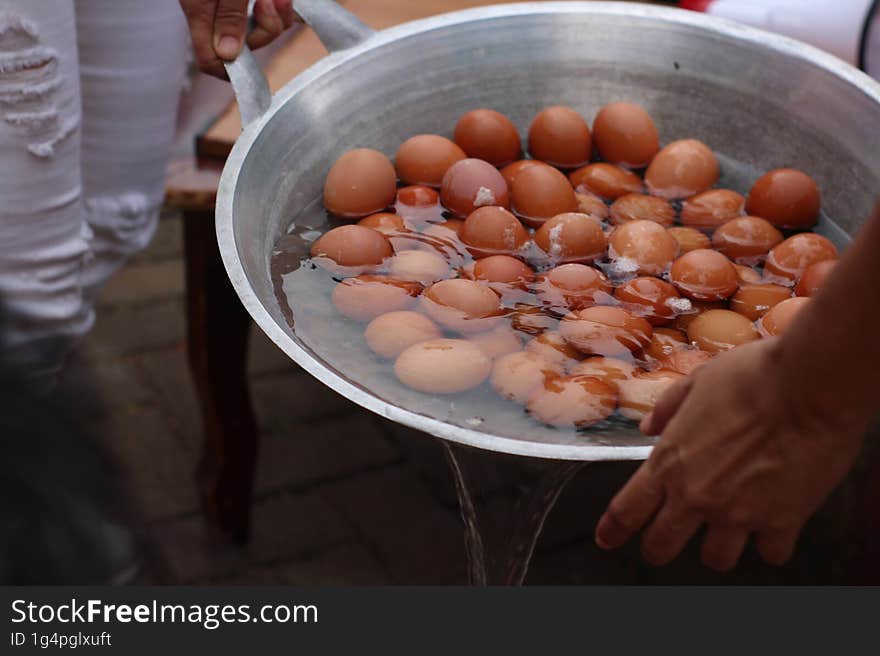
(833, 347)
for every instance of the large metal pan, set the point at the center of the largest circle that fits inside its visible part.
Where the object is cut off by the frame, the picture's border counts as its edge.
(761, 99)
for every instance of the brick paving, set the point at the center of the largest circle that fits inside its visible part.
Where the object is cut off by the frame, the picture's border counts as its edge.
(342, 496)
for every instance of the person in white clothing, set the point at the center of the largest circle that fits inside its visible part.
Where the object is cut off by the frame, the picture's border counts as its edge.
(88, 99)
(89, 91)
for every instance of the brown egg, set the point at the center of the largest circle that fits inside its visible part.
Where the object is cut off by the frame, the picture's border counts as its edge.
(606, 181)
(498, 342)
(664, 341)
(603, 330)
(387, 224)
(684, 320)
(471, 184)
(417, 196)
(689, 239)
(351, 247)
(488, 135)
(551, 346)
(572, 237)
(642, 247)
(419, 266)
(517, 375)
(361, 182)
(746, 239)
(814, 277)
(532, 320)
(504, 270)
(685, 360)
(747, 275)
(610, 371)
(443, 366)
(787, 198)
(788, 261)
(650, 298)
(368, 296)
(540, 193)
(561, 137)
(754, 301)
(721, 330)
(493, 231)
(639, 395)
(592, 205)
(625, 134)
(391, 334)
(704, 275)
(510, 171)
(781, 316)
(418, 204)
(682, 169)
(462, 305)
(712, 208)
(425, 159)
(572, 287)
(578, 401)
(639, 207)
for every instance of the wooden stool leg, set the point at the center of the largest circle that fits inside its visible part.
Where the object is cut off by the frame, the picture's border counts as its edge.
(217, 338)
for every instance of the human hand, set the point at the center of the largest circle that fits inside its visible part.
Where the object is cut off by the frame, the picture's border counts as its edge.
(219, 28)
(743, 450)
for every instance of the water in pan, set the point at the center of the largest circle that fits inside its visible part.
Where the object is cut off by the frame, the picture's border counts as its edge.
(303, 291)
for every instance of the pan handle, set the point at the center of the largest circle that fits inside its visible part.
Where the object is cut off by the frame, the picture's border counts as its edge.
(337, 29)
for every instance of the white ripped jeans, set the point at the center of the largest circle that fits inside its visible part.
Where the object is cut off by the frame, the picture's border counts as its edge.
(89, 91)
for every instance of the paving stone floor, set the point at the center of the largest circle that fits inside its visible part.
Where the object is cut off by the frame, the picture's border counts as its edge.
(342, 496)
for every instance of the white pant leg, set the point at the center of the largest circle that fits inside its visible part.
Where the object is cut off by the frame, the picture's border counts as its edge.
(42, 231)
(133, 61)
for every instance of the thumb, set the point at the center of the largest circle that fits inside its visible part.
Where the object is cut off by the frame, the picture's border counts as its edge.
(230, 28)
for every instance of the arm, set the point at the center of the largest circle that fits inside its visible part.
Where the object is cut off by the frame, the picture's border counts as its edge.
(219, 28)
(756, 440)
(840, 332)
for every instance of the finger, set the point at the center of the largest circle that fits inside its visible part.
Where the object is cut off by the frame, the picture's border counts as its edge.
(230, 28)
(200, 17)
(285, 10)
(723, 547)
(671, 530)
(259, 38)
(268, 24)
(667, 405)
(776, 547)
(629, 510)
(266, 16)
